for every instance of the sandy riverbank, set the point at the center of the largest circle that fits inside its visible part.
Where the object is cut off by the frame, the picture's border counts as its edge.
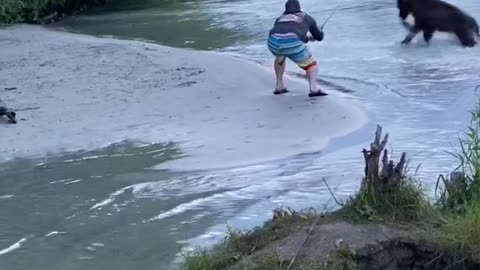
(86, 92)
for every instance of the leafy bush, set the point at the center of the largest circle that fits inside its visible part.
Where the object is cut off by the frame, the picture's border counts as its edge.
(31, 11)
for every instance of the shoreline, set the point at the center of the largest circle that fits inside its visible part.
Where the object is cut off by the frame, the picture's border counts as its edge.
(389, 223)
(112, 90)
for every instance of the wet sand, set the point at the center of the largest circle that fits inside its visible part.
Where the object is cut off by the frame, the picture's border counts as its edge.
(82, 92)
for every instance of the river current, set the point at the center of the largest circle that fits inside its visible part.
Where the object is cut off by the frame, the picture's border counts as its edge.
(102, 209)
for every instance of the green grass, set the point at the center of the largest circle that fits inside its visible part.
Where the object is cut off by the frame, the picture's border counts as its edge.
(459, 198)
(266, 261)
(215, 260)
(405, 203)
(238, 245)
(226, 254)
(341, 258)
(459, 236)
(460, 193)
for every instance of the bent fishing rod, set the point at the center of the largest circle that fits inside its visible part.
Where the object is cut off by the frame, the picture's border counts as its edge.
(330, 16)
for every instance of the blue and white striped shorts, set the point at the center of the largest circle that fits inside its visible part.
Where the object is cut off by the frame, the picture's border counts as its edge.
(290, 46)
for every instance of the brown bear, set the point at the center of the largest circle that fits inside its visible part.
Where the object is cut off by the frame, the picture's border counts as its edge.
(437, 15)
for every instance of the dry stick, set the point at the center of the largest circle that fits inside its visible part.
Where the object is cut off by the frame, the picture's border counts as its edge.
(303, 244)
(331, 192)
(455, 262)
(311, 227)
(434, 259)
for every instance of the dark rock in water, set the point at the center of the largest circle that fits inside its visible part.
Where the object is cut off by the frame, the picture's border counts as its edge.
(11, 115)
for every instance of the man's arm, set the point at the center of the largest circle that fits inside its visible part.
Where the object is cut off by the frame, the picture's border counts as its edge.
(314, 30)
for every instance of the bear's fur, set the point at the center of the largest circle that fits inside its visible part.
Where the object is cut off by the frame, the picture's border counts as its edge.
(437, 15)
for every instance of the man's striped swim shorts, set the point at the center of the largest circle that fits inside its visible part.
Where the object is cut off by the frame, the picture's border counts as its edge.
(290, 46)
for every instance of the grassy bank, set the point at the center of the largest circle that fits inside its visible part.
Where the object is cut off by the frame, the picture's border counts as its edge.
(390, 223)
(40, 11)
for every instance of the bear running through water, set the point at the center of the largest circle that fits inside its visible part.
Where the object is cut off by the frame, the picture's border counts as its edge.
(437, 15)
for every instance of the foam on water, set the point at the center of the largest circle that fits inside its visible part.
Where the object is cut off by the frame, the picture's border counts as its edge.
(110, 199)
(52, 233)
(13, 247)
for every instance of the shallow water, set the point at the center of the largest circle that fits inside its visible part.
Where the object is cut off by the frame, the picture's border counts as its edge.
(106, 209)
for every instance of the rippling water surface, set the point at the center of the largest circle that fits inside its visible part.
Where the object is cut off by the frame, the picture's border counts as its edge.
(103, 209)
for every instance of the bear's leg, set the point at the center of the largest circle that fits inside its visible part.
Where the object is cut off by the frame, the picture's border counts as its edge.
(428, 34)
(411, 34)
(466, 37)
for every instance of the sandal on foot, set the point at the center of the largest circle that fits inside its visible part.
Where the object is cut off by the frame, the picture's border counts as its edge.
(281, 91)
(317, 94)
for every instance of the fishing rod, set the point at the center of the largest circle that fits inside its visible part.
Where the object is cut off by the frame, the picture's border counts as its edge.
(331, 14)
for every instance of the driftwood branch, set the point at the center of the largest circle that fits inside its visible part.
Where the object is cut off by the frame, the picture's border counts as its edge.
(389, 174)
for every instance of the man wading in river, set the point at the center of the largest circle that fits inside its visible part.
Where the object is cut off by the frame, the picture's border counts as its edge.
(287, 39)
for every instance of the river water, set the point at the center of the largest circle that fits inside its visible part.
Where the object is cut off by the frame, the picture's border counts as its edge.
(103, 209)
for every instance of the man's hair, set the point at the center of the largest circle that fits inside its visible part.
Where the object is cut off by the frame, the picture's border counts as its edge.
(292, 6)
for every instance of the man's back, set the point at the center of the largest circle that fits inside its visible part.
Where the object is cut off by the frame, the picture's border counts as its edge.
(299, 23)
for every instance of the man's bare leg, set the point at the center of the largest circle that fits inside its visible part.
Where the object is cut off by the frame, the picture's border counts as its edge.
(279, 65)
(279, 71)
(312, 78)
(312, 81)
